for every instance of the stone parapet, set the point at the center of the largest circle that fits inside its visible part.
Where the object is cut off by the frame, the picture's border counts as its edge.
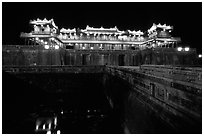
(174, 94)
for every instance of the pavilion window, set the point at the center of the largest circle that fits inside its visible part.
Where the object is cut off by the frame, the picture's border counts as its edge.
(36, 29)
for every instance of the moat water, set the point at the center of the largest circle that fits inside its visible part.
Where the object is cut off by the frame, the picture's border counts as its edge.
(73, 104)
(80, 106)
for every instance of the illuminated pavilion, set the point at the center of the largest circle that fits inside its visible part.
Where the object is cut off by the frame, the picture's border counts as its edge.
(46, 33)
(47, 44)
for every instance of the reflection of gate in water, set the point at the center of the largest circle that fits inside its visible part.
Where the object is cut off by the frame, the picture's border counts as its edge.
(86, 59)
(69, 59)
(84, 62)
(121, 60)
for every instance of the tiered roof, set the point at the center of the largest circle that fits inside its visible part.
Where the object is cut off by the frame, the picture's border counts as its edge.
(154, 27)
(109, 31)
(68, 30)
(135, 32)
(43, 22)
(92, 30)
(101, 30)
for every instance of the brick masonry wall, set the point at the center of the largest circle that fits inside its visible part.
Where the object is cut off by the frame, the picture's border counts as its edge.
(31, 55)
(169, 96)
(174, 94)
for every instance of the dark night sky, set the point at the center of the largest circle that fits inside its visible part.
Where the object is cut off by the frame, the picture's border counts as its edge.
(185, 17)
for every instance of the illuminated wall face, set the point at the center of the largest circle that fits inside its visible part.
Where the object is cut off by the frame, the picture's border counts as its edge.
(163, 34)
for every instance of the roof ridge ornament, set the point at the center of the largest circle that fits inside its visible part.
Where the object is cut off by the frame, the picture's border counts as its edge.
(45, 19)
(63, 30)
(155, 26)
(139, 32)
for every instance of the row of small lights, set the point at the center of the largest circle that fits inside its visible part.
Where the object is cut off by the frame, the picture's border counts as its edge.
(183, 49)
(56, 47)
(187, 49)
(49, 132)
(46, 46)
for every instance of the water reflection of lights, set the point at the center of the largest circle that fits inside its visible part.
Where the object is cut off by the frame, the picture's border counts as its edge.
(62, 112)
(49, 126)
(55, 121)
(36, 127)
(49, 132)
(58, 131)
(46, 125)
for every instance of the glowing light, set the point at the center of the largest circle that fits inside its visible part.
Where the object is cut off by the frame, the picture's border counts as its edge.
(153, 45)
(49, 126)
(37, 127)
(37, 38)
(200, 56)
(56, 47)
(88, 111)
(45, 42)
(41, 40)
(179, 48)
(62, 112)
(55, 121)
(44, 126)
(91, 48)
(49, 132)
(83, 48)
(186, 48)
(47, 46)
(58, 132)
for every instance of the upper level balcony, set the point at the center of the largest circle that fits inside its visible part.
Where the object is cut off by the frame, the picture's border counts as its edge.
(66, 37)
(36, 34)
